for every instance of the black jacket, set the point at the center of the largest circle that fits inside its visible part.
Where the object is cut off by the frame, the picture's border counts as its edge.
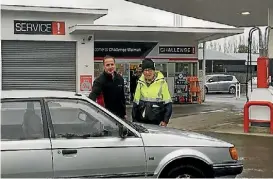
(113, 92)
(133, 83)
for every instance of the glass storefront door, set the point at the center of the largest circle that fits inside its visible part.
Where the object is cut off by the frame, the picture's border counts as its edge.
(188, 68)
(183, 68)
(98, 69)
(162, 67)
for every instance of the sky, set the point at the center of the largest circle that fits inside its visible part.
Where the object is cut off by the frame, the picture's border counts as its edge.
(121, 12)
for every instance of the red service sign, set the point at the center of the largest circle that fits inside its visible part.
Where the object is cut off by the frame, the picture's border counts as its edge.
(39, 27)
(58, 28)
(86, 82)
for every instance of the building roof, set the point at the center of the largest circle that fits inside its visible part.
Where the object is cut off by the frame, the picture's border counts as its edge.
(48, 9)
(227, 12)
(244, 56)
(215, 55)
(123, 31)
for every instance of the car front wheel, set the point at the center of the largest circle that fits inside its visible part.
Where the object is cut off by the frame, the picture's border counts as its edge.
(206, 90)
(232, 90)
(186, 171)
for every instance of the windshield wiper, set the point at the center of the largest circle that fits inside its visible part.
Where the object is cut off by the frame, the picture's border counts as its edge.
(140, 128)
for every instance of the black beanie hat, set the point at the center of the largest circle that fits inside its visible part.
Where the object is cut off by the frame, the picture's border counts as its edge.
(148, 64)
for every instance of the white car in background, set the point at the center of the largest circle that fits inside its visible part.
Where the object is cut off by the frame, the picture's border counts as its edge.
(221, 83)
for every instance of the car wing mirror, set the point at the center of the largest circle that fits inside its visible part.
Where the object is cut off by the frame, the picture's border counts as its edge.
(210, 80)
(82, 116)
(123, 131)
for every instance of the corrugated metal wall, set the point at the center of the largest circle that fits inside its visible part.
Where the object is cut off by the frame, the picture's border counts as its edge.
(43, 65)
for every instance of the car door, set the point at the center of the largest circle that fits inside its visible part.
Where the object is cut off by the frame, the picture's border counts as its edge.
(25, 145)
(224, 83)
(212, 83)
(102, 152)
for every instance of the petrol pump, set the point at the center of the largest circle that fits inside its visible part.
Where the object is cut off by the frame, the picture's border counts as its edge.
(259, 106)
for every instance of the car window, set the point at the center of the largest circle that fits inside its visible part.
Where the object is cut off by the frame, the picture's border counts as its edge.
(225, 78)
(214, 79)
(222, 78)
(78, 118)
(229, 78)
(21, 120)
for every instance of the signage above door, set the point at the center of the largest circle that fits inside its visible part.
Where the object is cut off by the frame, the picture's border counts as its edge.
(176, 50)
(39, 27)
(123, 49)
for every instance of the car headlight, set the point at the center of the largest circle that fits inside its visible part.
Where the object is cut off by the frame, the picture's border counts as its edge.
(233, 153)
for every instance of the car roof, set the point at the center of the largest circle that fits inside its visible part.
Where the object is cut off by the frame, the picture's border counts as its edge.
(39, 94)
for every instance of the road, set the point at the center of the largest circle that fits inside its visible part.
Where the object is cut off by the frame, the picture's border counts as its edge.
(210, 105)
(227, 99)
(255, 151)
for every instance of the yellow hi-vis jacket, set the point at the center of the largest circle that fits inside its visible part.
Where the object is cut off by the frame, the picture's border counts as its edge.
(152, 103)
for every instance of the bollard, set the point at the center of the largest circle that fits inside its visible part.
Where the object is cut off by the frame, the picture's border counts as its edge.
(236, 88)
(246, 114)
(238, 91)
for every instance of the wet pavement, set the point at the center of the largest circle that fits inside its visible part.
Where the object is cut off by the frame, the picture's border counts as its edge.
(227, 99)
(180, 110)
(256, 153)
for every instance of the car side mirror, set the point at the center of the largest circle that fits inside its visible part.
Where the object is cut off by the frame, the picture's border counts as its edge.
(210, 80)
(82, 116)
(123, 131)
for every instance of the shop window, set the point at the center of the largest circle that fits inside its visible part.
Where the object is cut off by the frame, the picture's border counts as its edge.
(194, 69)
(171, 69)
(162, 67)
(98, 69)
(219, 68)
(182, 68)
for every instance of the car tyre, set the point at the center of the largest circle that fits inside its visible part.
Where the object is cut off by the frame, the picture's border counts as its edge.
(232, 90)
(186, 171)
(206, 90)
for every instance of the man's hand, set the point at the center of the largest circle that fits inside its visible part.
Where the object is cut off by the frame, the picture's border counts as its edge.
(163, 124)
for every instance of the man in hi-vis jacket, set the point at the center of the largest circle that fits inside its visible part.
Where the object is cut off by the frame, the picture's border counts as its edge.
(152, 101)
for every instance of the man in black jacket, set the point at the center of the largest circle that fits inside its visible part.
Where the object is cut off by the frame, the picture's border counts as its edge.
(111, 85)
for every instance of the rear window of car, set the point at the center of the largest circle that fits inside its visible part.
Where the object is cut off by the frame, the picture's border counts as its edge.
(19, 120)
(229, 78)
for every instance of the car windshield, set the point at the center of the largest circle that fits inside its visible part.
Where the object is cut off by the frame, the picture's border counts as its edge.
(137, 127)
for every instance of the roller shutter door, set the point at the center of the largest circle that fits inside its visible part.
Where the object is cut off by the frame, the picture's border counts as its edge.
(38, 65)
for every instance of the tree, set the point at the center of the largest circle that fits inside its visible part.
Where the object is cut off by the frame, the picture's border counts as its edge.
(234, 44)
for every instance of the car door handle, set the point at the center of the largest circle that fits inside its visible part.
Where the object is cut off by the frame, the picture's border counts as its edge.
(69, 152)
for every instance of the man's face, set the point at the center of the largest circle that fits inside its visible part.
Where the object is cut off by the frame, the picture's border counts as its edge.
(139, 71)
(109, 65)
(149, 74)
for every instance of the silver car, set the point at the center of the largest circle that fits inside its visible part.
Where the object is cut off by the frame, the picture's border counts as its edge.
(221, 83)
(65, 134)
